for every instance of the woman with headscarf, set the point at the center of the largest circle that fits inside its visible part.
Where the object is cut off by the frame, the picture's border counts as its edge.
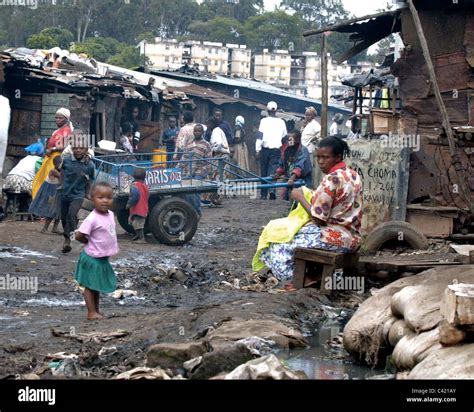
(328, 218)
(241, 154)
(54, 146)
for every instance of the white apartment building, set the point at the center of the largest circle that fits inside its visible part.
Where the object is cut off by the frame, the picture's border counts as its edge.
(213, 57)
(239, 60)
(164, 54)
(273, 67)
(210, 56)
(297, 73)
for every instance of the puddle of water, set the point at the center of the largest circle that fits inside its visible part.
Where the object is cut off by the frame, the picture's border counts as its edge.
(20, 253)
(318, 361)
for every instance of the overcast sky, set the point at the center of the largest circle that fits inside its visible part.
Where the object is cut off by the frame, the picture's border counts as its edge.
(356, 7)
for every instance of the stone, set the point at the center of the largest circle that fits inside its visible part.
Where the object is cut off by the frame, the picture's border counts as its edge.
(172, 355)
(450, 335)
(224, 360)
(234, 330)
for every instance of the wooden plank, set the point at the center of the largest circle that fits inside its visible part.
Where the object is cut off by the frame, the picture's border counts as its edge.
(324, 82)
(312, 257)
(452, 71)
(469, 39)
(433, 208)
(319, 252)
(457, 306)
(328, 272)
(299, 273)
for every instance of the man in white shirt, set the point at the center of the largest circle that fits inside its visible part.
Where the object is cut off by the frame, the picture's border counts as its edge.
(270, 134)
(311, 131)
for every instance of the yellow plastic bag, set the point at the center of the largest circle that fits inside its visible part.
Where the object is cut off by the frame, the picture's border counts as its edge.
(282, 230)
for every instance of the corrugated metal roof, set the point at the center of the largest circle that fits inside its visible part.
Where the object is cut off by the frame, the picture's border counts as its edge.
(248, 84)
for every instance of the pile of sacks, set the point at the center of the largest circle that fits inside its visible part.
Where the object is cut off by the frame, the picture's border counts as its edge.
(414, 322)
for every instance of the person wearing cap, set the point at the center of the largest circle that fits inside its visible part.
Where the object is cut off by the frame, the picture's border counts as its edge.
(311, 130)
(271, 132)
(336, 126)
(54, 146)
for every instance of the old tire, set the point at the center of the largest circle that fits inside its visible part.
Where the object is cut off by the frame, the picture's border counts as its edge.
(173, 221)
(394, 231)
(122, 217)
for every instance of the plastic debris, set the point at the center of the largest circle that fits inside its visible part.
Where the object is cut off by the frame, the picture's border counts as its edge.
(268, 367)
(123, 293)
(257, 346)
(144, 373)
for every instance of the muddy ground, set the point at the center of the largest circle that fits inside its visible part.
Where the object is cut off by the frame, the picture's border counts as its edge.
(218, 285)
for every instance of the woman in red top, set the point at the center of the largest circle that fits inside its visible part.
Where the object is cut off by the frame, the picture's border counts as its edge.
(55, 145)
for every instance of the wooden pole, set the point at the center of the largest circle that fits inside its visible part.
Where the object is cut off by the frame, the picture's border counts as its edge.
(442, 107)
(324, 83)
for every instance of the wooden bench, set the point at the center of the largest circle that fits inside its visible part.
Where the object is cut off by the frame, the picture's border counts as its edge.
(316, 265)
(14, 202)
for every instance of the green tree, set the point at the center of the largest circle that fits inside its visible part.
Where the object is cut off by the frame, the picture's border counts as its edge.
(318, 13)
(92, 49)
(128, 57)
(219, 29)
(273, 30)
(50, 37)
(240, 10)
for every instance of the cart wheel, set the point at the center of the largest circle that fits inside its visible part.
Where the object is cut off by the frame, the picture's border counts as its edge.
(173, 221)
(122, 217)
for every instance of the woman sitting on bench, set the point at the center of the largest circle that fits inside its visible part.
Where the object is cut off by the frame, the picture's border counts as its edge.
(328, 218)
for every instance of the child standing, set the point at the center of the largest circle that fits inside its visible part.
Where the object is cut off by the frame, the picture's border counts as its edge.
(47, 203)
(97, 232)
(138, 205)
(78, 173)
(169, 138)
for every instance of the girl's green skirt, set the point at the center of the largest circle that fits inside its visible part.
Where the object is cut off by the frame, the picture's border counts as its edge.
(95, 273)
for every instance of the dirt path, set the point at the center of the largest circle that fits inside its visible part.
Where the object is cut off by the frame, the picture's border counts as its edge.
(214, 272)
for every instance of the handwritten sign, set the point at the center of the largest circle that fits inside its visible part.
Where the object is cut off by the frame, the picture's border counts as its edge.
(384, 173)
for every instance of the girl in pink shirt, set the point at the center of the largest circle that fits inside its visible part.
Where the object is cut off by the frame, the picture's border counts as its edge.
(97, 232)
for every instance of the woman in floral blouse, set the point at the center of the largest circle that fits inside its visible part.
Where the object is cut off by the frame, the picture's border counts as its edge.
(334, 213)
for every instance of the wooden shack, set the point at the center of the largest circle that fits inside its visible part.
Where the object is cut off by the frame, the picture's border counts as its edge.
(436, 202)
